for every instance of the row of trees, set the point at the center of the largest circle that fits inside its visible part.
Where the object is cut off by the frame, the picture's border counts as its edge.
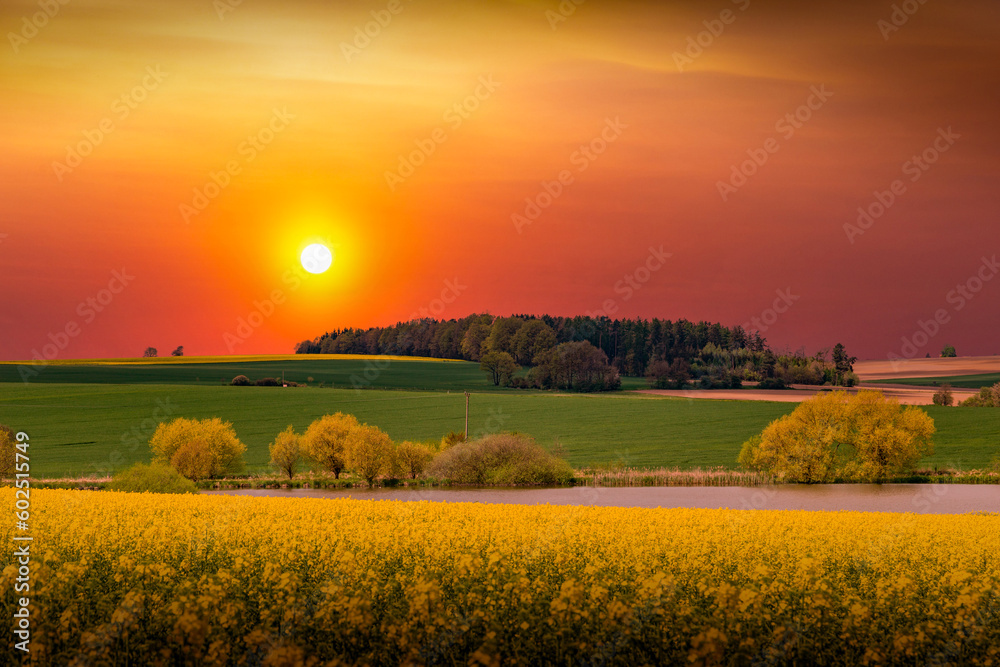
(988, 397)
(671, 353)
(209, 448)
(338, 442)
(150, 352)
(717, 368)
(204, 449)
(577, 366)
(630, 344)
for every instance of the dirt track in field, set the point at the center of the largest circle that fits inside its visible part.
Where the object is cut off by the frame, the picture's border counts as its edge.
(869, 372)
(799, 393)
(933, 367)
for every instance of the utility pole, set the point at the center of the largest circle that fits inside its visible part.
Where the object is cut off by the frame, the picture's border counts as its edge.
(466, 415)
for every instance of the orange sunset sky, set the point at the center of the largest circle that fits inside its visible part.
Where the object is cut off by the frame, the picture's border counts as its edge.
(116, 116)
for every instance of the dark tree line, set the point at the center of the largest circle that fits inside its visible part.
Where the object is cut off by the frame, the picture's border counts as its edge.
(630, 344)
(671, 353)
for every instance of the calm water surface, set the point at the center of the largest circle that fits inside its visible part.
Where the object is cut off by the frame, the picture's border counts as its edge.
(918, 498)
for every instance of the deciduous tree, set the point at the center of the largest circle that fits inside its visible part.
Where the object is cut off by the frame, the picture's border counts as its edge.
(673, 375)
(413, 457)
(216, 436)
(324, 441)
(472, 340)
(988, 397)
(286, 452)
(943, 396)
(502, 333)
(843, 364)
(531, 339)
(862, 435)
(452, 438)
(193, 460)
(577, 365)
(369, 452)
(500, 365)
(886, 437)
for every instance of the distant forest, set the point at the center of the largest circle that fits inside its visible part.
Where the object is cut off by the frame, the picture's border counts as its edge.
(671, 353)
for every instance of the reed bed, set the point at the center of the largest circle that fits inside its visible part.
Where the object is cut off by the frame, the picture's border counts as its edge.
(673, 477)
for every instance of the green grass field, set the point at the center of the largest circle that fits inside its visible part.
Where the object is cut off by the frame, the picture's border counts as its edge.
(339, 371)
(86, 429)
(964, 381)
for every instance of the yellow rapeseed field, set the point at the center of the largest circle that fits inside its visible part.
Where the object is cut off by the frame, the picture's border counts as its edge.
(136, 579)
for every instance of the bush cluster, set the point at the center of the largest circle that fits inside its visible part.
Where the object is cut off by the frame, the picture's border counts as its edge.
(576, 366)
(943, 396)
(244, 381)
(157, 477)
(506, 459)
(836, 434)
(192, 450)
(988, 397)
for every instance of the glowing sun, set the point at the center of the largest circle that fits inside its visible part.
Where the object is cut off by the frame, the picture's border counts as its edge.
(316, 258)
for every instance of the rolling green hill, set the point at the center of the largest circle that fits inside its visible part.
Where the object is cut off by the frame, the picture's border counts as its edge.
(963, 381)
(345, 371)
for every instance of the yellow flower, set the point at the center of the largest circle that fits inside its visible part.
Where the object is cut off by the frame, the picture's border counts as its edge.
(241, 580)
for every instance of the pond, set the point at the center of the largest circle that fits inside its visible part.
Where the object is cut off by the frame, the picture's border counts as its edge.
(917, 498)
